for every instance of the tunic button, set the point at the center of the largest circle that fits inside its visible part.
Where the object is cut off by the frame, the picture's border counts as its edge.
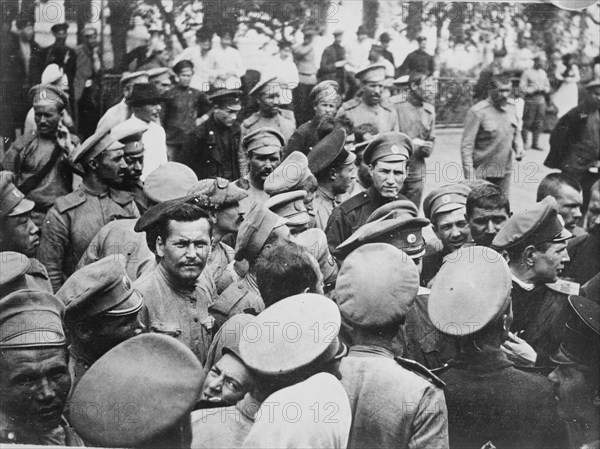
(81, 193)
(196, 320)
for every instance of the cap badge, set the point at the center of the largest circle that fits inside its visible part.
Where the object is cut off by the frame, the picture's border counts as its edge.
(394, 149)
(411, 238)
(446, 199)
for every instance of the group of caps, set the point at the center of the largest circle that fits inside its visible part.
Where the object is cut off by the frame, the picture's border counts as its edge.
(376, 286)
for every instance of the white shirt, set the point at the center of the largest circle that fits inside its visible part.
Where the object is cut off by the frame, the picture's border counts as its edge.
(155, 148)
(287, 75)
(227, 60)
(357, 54)
(204, 66)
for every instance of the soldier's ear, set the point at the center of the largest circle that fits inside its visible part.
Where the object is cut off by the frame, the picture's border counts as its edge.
(529, 255)
(160, 247)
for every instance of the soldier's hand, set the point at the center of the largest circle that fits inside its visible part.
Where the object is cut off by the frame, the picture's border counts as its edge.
(519, 351)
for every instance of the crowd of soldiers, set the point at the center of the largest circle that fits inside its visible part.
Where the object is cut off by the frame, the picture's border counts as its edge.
(202, 272)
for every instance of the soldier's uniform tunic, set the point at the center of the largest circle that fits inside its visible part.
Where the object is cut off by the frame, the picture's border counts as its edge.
(416, 121)
(382, 116)
(352, 214)
(283, 122)
(72, 223)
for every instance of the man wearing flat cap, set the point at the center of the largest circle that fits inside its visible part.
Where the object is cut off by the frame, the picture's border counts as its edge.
(446, 209)
(145, 101)
(86, 83)
(160, 77)
(375, 288)
(386, 157)
(102, 310)
(122, 111)
(61, 54)
(260, 230)
(212, 148)
(535, 243)
(492, 139)
(575, 379)
(416, 118)
(176, 293)
(21, 273)
(278, 362)
(335, 171)
(267, 91)
(333, 63)
(418, 60)
(263, 148)
(290, 205)
(325, 100)
(291, 175)
(130, 133)
(370, 106)
(488, 398)
(223, 206)
(168, 182)
(152, 382)
(73, 221)
(34, 372)
(182, 109)
(41, 165)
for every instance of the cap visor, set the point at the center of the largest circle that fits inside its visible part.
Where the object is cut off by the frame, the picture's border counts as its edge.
(564, 235)
(560, 358)
(447, 208)
(24, 206)
(132, 304)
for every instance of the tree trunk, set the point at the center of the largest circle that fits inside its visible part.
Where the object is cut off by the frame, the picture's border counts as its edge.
(370, 15)
(120, 16)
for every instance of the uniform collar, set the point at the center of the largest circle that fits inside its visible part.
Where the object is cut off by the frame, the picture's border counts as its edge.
(370, 350)
(376, 197)
(481, 361)
(248, 406)
(12, 433)
(524, 285)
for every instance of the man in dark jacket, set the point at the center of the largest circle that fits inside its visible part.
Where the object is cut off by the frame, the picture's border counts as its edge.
(418, 61)
(211, 149)
(488, 398)
(575, 142)
(58, 53)
(333, 61)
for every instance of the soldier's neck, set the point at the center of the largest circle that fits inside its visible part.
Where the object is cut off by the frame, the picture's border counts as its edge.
(94, 184)
(523, 273)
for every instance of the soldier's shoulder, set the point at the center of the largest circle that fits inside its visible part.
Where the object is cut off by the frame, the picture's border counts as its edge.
(242, 183)
(70, 201)
(420, 370)
(354, 202)
(481, 105)
(251, 121)
(287, 115)
(387, 106)
(230, 297)
(564, 287)
(397, 99)
(351, 104)
(429, 108)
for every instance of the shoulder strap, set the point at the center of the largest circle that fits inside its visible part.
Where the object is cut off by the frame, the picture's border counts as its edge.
(31, 183)
(419, 369)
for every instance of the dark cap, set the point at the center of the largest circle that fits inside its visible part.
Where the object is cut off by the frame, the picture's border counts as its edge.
(581, 338)
(273, 351)
(169, 181)
(12, 200)
(537, 224)
(499, 52)
(421, 38)
(338, 32)
(264, 141)
(376, 286)
(227, 98)
(471, 290)
(144, 93)
(445, 199)
(289, 175)
(330, 151)
(391, 146)
(59, 27)
(136, 375)
(254, 231)
(31, 319)
(361, 30)
(100, 288)
(385, 37)
(156, 212)
(220, 192)
(290, 205)
(263, 82)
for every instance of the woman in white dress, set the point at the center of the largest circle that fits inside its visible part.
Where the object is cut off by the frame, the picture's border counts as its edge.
(565, 97)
